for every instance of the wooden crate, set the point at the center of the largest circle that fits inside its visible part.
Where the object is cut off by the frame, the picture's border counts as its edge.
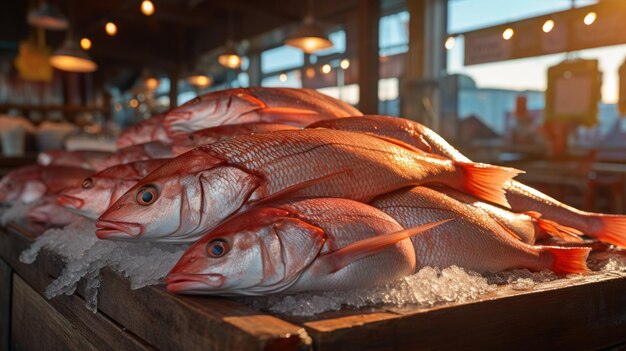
(581, 313)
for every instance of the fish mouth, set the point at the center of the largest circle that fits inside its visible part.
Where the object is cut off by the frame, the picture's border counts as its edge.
(70, 201)
(117, 230)
(187, 282)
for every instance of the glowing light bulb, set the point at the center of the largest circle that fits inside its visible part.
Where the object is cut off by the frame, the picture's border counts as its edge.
(147, 7)
(548, 26)
(134, 103)
(590, 18)
(326, 69)
(309, 72)
(282, 77)
(85, 43)
(110, 28)
(508, 33)
(450, 42)
(344, 64)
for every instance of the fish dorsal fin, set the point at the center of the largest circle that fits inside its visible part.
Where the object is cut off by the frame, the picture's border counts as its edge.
(294, 190)
(287, 111)
(396, 142)
(508, 231)
(249, 98)
(342, 257)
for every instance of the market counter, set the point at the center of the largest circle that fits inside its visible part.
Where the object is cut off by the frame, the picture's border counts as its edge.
(577, 313)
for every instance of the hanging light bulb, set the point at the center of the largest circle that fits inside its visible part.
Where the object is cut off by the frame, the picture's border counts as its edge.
(85, 43)
(147, 7)
(450, 42)
(548, 26)
(151, 83)
(229, 58)
(110, 28)
(508, 33)
(590, 18)
(344, 64)
(47, 16)
(69, 57)
(199, 80)
(326, 69)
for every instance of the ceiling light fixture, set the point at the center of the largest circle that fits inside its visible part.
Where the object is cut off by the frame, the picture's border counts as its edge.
(147, 7)
(47, 16)
(309, 36)
(69, 57)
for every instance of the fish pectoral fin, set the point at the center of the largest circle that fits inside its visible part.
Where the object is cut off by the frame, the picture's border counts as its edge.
(340, 258)
(555, 229)
(296, 190)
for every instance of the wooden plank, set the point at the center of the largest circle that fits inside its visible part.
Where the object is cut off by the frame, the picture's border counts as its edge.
(5, 305)
(167, 321)
(587, 312)
(38, 326)
(579, 314)
(97, 328)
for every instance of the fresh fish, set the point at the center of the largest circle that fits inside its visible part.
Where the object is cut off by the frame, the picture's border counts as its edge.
(97, 192)
(219, 133)
(30, 183)
(306, 245)
(298, 107)
(197, 190)
(49, 212)
(522, 198)
(529, 226)
(144, 132)
(139, 152)
(473, 240)
(88, 159)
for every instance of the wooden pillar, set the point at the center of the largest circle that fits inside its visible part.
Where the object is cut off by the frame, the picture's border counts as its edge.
(368, 71)
(425, 61)
(5, 305)
(174, 76)
(254, 70)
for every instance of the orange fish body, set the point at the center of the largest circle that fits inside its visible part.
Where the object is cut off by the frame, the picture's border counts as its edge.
(298, 107)
(473, 240)
(203, 186)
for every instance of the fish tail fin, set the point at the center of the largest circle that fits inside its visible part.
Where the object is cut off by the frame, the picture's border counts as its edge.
(568, 260)
(555, 229)
(486, 181)
(613, 230)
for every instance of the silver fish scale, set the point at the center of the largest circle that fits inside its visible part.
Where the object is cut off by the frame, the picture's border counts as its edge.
(362, 166)
(345, 221)
(472, 240)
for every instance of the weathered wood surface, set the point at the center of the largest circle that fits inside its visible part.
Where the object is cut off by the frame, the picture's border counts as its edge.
(5, 305)
(587, 312)
(162, 320)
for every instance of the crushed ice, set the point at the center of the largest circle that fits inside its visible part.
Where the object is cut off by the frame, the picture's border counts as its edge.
(148, 263)
(14, 213)
(85, 256)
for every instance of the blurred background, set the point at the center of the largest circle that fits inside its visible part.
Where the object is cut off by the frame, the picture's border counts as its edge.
(535, 84)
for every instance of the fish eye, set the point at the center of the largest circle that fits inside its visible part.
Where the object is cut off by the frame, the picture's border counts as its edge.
(87, 183)
(147, 195)
(217, 248)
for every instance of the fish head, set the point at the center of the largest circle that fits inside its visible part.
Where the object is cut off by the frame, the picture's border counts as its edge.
(22, 185)
(94, 195)
(258, 252)
(165, 203)
(210, 110)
